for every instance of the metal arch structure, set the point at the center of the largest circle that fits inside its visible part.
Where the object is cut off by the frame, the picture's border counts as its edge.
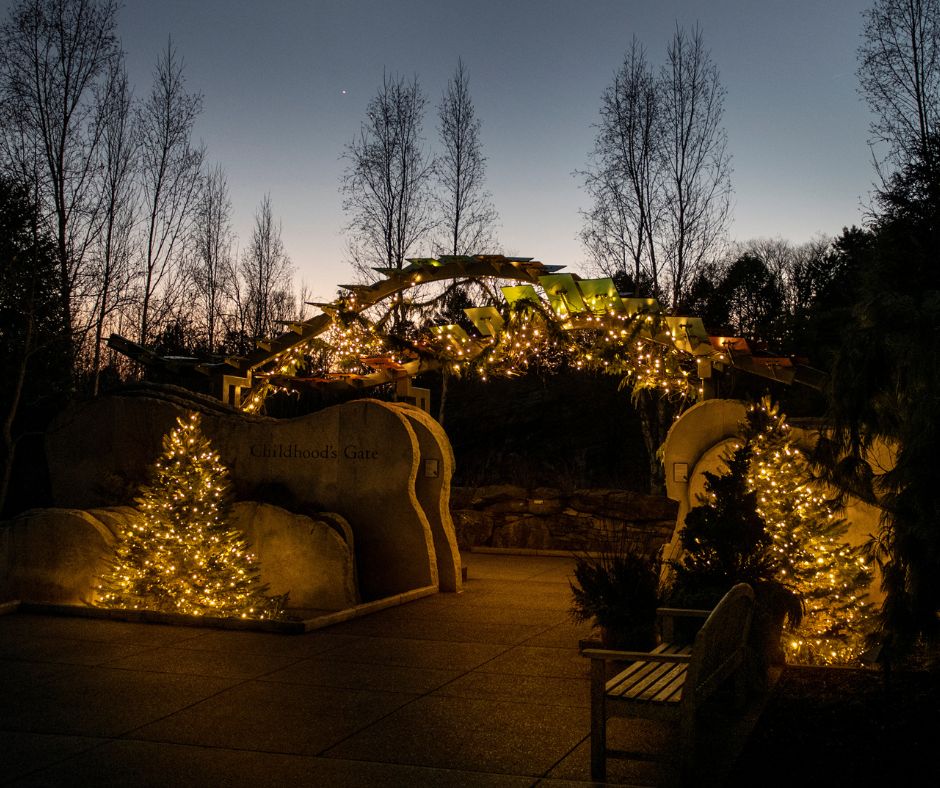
(239, 374)
(576, 303)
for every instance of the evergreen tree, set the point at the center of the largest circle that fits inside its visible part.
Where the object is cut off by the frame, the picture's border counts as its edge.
(181, 555)
(883, 393)
(807, 546)
(725, 539)
(766, 522)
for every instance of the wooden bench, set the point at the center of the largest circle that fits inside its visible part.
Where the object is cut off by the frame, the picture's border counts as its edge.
(672, 681)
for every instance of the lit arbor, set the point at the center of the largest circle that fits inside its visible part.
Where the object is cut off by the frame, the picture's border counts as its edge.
(181, 555)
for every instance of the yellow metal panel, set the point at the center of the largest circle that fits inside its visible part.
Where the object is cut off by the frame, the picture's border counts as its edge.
(487, 319)
(688, 334)
(646, 305)
(563, 294)
(600, 295)
(521, 293)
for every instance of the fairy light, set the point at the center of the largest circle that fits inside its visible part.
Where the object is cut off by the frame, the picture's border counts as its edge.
(181, 555)
(637, 346)
(807, 543)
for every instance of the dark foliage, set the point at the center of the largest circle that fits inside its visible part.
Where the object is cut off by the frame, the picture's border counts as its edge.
(847, 727)
(726, 542)
(619, 592)
(724, 539)
(886, 388)
(35, 362)
(746, 301)
(826, 289)
(567, 430)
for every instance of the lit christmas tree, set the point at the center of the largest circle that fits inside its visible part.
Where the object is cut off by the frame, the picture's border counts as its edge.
(807, 544)
(181, 555)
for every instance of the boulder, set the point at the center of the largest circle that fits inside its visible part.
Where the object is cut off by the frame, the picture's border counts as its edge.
(299, 555)
(57, 555)
(495, 493)
(53, 555)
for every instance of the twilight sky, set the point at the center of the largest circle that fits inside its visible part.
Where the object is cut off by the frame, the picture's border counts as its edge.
(286, 84)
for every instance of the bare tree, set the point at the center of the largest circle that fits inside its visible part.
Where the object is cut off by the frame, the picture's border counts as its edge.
(112, 269)
(212, 266)
(624, 179)
(266, 271)
(386, 182)
(696, 164)
(659, 179)
(899, 75)
(55, 56)
(468, 216)
(796, 266)
(170, 175)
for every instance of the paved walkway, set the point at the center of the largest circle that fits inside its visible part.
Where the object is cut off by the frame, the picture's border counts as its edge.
(483, 688)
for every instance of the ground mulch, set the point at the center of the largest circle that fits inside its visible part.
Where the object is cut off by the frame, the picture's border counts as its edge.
(845, 727)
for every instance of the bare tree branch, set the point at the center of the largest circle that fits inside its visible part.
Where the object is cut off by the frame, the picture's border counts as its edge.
(468, 218)
(697, 166)
(170, 175)
(624, 179)
(385, 185)
(266, 271)
(899, 76)
(54, 57)
(212, 264)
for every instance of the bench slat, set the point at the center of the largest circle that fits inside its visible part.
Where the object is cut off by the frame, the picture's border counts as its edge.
(650, 679)
(662, 685)
(634, 680)
(669, 687)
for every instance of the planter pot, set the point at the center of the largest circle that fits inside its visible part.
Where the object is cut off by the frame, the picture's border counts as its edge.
(765, 646)
(636, 638)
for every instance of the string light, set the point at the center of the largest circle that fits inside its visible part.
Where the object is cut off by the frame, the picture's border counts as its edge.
(808, 545)
(639, 346)
(181, 555)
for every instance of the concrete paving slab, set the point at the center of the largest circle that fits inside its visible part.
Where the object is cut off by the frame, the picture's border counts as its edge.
(537, 690)
(21, 752)
(528, 660)
(19, 676)
(269, 643)
(636, 735)
(443, 630)
(66, 650)
(564, 635)
(419, 653)
(362, 675)
(157, 765)
(480, 688)
(222, 664)
(474, 735)
(476, 610)
(274, 717)
(518, 567)
(99, 701)
(552, 598)
(95, 630)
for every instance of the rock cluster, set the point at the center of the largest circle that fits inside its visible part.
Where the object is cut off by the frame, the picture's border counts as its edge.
(549, 519)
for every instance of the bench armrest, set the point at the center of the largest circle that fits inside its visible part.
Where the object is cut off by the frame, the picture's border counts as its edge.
(633, 656)
(677, 623)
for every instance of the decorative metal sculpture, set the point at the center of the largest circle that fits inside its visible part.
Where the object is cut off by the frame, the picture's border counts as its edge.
(587, 319)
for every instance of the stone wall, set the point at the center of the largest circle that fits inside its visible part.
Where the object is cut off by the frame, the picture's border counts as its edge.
(548, 519)
(361, 460)
(59, 555)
